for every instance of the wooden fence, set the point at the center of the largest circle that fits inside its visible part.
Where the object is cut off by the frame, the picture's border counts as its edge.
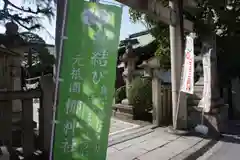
(45, 94)
(166, 106)
(26, 121)
(166, 103)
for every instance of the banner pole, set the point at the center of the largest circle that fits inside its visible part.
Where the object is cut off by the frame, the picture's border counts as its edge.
(192, 35)
(57, 79)
(83, 96)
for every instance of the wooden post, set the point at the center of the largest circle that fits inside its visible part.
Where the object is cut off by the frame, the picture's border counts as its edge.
(46, 112)
(166, 104)
(6, 122)
(28, 128)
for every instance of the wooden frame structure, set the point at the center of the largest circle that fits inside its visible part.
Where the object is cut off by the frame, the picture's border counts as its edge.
(26, 126)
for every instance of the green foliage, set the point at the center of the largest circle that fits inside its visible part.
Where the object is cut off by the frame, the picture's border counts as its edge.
(161, 33)
(140, 96)
(120, 94)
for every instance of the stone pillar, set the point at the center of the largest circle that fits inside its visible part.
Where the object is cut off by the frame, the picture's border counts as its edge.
(12, 33)
(211, 93)
(129, 58)
(128, 73)
(156, 98)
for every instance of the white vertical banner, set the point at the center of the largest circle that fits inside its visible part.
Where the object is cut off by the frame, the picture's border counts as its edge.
(188, 69)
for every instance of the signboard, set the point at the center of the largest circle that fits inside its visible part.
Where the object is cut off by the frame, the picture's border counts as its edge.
(188, 69)
(87, 74)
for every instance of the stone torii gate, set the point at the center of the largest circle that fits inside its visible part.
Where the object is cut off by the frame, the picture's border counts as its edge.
(156, 10)
(170, 15)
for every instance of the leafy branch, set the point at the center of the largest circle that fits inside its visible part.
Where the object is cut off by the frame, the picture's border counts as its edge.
(27, 18)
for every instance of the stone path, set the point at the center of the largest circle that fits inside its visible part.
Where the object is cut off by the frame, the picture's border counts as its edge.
(157, 145)
(118, 126)
(228, 146)
(129, 141)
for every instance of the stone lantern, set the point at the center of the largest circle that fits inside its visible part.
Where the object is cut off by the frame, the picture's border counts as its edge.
(129, 58)
(147, 73)
(14, 42)
(152, 69)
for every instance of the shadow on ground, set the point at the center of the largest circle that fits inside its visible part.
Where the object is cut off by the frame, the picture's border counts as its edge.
(230, 135)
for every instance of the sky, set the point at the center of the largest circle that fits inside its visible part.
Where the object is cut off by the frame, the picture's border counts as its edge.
(127, 27)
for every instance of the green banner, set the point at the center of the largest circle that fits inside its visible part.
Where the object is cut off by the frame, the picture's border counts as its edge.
(87, 80)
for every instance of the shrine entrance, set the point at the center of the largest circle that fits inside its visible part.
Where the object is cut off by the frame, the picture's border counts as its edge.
(172, 15)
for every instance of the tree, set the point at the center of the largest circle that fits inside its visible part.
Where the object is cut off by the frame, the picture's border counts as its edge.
(27, 16)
